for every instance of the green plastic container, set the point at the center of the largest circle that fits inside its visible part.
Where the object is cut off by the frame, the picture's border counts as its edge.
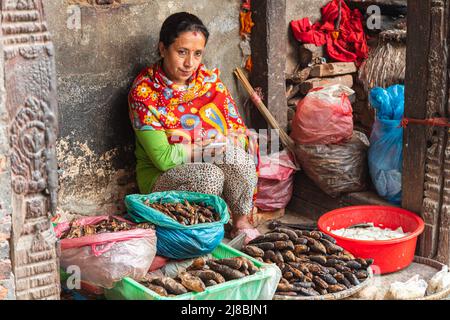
(259, 286)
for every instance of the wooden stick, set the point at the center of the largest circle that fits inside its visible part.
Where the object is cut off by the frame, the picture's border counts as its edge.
(284, 137)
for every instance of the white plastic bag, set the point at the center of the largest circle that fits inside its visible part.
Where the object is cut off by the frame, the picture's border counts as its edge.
(440, 281)
(414, 288)
(106, 258)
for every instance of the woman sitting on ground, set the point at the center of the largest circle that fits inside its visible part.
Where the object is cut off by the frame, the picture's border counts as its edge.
(178, 108)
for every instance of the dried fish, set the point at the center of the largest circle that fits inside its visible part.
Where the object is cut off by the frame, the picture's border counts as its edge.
(317, 235)
(265, 245)
(192, 282)
(332, 271)
(303, 284)
(279, 257)
(186, 213)
(112, 224)
(169, 284)
(353, 264)
(234, 263)
(361, 275)
(271, 256)
(288, 275)
(210, 283)
(319, 282)
(301, 241)
(197, 264)
(329, 238)
(300, 248)
(328, 278)
(158, 289)
(227, 272)
(253, 251)
(336, 288)
(270, 237)
(288, 256)
(333, 263)
(316, 245)
(252, 269)
(308, 292)
(311, 262)
(205, 275)
(352, 278)
(283, 287)
(342, 268)
(290, 233)
(319, 259)
(331, 247)
(284, 245)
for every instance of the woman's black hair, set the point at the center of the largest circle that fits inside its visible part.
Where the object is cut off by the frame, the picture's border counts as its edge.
(178, 23)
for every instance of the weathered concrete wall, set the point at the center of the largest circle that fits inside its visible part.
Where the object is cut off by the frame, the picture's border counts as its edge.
(296, 10)
(96, 61)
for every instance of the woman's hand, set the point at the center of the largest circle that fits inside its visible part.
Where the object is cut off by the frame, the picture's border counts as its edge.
(194, 151)
(237, 139)
(212, 149)
(205, 150)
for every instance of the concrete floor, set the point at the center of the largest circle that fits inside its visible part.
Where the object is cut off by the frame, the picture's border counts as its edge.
(289, 217)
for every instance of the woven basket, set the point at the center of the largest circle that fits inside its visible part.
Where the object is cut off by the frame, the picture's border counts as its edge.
(332, 296)
(437, 265)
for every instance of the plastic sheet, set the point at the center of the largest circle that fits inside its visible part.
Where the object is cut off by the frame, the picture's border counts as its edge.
(324, 116)
(275, 181)
(336, 168)
(386, 142)
(106, 258)
(175, 240)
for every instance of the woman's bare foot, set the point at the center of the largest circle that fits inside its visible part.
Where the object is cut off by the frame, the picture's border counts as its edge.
(241, 222)
(242, 225)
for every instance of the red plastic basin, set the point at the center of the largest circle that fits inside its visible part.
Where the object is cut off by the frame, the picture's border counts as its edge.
(389, 255)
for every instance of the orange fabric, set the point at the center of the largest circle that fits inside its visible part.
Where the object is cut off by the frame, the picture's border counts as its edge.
(246, 22)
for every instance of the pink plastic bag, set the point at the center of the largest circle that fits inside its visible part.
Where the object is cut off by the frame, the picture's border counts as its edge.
(324, 116)
(158, 263)
(276, 181)
(106, 258)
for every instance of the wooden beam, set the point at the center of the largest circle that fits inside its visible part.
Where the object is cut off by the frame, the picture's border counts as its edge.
(332, 69)
(426, 96)
(443, 253)
(268, 45)
(346, 80)
(414, 142)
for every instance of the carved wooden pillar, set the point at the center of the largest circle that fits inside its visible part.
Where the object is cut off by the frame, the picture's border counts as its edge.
(31, 108)
(268, 42)
(426, 149)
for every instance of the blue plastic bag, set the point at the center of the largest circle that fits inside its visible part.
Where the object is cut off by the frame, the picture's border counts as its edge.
(386, 142)
(175, 240)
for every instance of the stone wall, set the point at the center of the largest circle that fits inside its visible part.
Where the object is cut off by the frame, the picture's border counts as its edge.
(99, 51)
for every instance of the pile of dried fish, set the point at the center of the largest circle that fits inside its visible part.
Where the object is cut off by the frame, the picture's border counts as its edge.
(110, 225)
(201, 274)
(310, 261)
(187, 213)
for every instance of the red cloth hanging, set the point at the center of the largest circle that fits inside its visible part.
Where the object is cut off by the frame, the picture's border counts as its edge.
(351, 44)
